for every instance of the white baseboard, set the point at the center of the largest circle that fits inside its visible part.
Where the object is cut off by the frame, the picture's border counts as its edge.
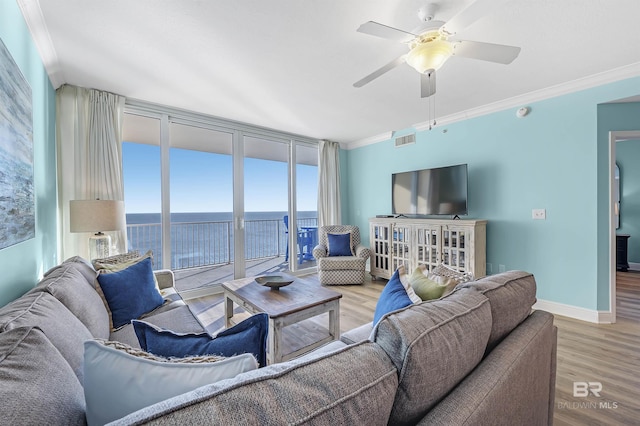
(576, 312)
(634, 266)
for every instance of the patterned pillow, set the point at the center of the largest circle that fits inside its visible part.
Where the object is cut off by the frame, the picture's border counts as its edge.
(442, 272)
(120, 379)
(118, 258)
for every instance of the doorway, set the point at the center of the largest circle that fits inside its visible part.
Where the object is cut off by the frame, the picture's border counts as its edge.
(614, 137)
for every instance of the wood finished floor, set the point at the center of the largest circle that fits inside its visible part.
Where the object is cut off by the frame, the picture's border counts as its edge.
(587, 352)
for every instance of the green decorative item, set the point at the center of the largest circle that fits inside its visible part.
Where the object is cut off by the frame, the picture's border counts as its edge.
(426, 288)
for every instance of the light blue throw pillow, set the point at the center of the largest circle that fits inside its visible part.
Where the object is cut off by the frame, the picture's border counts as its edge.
(393, 297)
(249, 336)
(119, 379)
(130, 293)
(339, 244)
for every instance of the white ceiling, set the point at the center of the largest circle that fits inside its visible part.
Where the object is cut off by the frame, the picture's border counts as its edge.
(290, 64)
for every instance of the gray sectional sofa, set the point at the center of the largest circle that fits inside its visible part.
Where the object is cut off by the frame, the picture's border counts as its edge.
(477, 356)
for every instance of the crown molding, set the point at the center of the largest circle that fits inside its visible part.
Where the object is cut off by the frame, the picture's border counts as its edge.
(617, 74)
(34, 19)
(369, 141)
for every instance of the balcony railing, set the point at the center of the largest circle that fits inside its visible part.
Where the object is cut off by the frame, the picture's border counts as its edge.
(196, 244)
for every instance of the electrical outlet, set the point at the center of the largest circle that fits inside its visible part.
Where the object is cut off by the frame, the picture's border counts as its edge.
(502, 268)
(539, 214)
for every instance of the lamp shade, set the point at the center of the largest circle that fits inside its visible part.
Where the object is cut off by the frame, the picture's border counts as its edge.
(96, 215)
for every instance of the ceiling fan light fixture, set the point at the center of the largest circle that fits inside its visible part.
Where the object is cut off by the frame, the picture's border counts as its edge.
(429, 55)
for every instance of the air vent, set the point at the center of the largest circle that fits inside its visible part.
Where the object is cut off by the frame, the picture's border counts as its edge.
(406, 140)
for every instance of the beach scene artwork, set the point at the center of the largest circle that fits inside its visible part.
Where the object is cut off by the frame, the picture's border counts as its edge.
(17, 202)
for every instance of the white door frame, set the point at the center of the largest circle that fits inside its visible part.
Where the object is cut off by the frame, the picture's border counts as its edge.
(614, 136)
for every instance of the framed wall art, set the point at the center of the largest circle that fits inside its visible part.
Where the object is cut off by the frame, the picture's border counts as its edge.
(17, 201)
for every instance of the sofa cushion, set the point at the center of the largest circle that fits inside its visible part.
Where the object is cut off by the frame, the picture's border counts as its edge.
(179, 319)
(393, 297)
(119, 379)
(79, 264)
(70, 287)
(513, 385)
(62, 328)
(324, 391)
(511, 295)
(434, 345)
(341, 263)
(38, 386)
(248, 336)
(130, 292)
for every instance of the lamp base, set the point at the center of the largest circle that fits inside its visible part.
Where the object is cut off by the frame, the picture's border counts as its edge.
(99, 246)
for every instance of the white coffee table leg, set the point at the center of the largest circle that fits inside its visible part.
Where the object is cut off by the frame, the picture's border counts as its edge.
(228, 311)
(334, 320)
(274, 342)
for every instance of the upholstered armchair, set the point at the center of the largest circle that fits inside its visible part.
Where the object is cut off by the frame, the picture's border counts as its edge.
(340, 256)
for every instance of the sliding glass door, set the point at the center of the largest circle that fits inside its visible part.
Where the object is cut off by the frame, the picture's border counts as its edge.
(201, 197)
(226, 201)
(142, 182)
(266, 189)
(306, 201)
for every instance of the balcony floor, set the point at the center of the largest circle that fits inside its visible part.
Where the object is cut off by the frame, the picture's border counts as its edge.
(193, 278)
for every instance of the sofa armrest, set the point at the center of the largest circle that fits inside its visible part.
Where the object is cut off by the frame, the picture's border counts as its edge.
(320, 251)
(358, 334)
(363, 252)
(165, 278)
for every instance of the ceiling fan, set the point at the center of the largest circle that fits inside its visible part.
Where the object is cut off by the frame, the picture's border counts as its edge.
(431, 44)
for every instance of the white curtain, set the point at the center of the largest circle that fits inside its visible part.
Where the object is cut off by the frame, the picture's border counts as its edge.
(89, 150)
(329, 210)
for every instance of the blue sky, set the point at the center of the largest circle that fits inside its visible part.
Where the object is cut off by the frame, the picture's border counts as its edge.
(202, 182)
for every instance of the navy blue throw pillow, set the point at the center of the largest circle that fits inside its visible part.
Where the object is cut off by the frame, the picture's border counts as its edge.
(339, 244)
(131, 292)
(249, 336)
(393, 297)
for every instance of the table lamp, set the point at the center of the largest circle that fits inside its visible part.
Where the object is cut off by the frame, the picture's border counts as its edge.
(97, 216)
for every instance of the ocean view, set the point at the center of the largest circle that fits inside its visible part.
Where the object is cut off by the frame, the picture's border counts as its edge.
(205, 239)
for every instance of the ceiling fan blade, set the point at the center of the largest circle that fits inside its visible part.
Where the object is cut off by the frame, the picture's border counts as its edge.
(427, 84)
(385, 31)
(377, 73)
(470, 14)
(499, 53)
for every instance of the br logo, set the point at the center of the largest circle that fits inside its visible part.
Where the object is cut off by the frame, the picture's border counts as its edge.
(583, 389)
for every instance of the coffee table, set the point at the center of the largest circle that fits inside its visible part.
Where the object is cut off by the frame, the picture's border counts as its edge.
(290, 305)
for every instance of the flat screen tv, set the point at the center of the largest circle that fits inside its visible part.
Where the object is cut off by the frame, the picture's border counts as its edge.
(437, 191)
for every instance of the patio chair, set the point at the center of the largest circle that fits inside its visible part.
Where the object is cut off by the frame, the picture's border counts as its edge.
(305, 242)
(340, 256)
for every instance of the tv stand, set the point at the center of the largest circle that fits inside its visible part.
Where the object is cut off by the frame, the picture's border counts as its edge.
(457, 243)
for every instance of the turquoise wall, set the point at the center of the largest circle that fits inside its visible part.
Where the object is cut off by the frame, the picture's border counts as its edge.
(23, 264)
(549, 159)
(628, 159)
